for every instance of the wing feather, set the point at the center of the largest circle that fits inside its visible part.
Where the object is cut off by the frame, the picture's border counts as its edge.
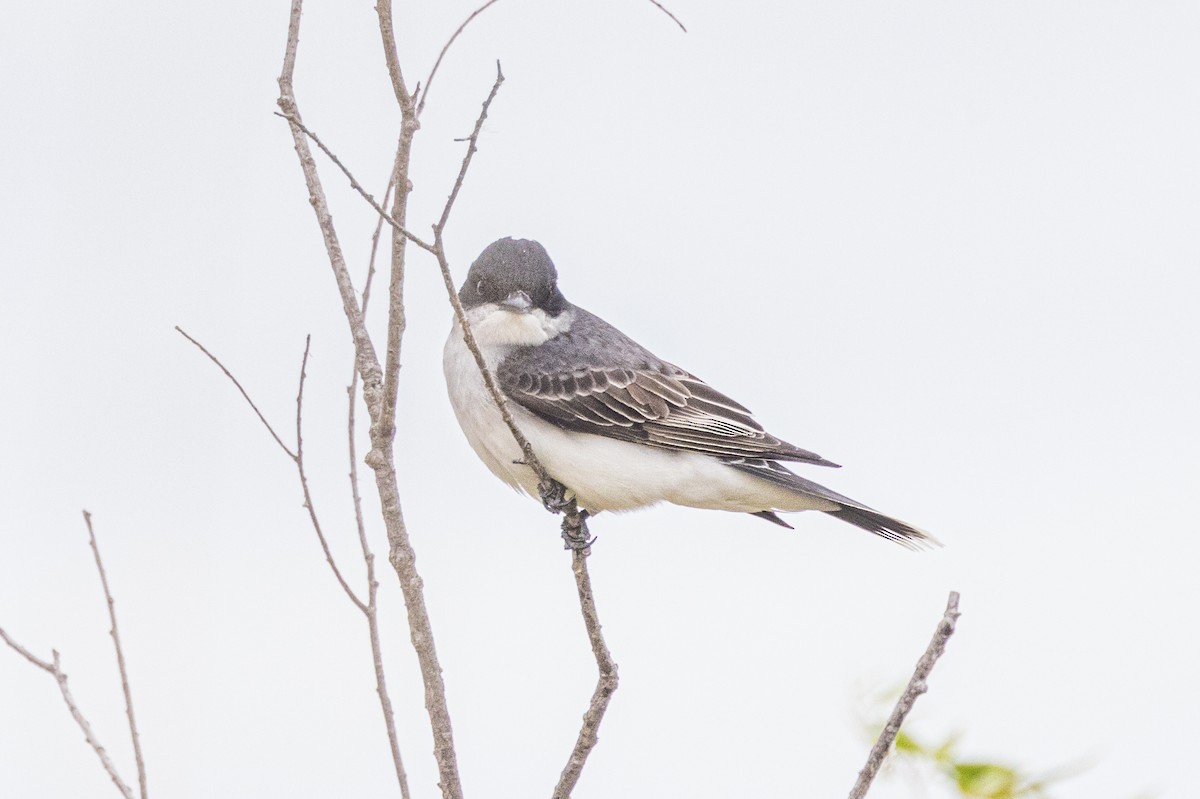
(592, 378)
(654, 407)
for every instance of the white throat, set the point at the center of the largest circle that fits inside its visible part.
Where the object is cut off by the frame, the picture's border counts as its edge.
(498, 331)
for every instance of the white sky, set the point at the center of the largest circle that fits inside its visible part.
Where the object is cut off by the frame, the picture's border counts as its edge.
(952, 246)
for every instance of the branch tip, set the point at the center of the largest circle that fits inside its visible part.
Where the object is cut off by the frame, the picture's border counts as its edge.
(917, 685)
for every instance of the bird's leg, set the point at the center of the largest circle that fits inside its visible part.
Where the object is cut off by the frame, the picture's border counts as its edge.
(574, 525)
(575, 530)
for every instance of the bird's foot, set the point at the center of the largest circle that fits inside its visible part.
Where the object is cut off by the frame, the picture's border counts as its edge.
(575, 532)
(554, 496)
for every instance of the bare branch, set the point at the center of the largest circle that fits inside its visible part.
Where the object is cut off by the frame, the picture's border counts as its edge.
(229, 374)
(424, 95)
(916, 687)
(384, 9)
(116, 637)
(385, 421)
(25, 653)
(606, 683)
(54, 669)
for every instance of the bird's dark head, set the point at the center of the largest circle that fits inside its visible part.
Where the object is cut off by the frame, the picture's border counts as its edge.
(515, 274)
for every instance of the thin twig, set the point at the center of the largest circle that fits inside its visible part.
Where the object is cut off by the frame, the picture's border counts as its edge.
(472, 146)
(354, 184)
(308, 500)
(916, 687)
(606, 683)
(116, 637)
(674, 18)
(366, 293)
(54, 669)
(424, 93)
(229, 374)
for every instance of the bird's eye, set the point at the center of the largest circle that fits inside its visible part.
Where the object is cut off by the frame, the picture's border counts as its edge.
(480, 285)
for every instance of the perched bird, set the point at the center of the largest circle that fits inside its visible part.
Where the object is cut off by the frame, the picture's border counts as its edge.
(618, 426)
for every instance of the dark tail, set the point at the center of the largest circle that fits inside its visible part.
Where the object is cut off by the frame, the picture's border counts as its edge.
(886, 527)
(848, 510)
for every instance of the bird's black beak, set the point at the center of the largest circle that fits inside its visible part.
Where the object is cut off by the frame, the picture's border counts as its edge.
(517, 302)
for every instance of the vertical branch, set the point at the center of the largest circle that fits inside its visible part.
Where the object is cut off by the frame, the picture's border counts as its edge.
(379, 400)
(916, 687)
(388, 32)
(372, 608)
(116, 637)
(409, 125)
(382, 456)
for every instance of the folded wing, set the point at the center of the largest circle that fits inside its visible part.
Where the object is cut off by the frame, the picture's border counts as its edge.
(639, 399)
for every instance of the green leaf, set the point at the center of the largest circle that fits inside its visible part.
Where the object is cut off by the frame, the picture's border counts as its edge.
(986, 780)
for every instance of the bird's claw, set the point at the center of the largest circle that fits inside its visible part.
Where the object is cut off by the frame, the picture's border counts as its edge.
(554, 496)
(575, 532)
(574, 525)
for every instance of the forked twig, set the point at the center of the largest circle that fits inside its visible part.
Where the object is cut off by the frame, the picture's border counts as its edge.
(369, 608)
(116, 637)
(297, 456)
(53, 667)
(916, 687)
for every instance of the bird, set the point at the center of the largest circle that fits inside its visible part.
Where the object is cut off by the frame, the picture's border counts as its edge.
(617, 426)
